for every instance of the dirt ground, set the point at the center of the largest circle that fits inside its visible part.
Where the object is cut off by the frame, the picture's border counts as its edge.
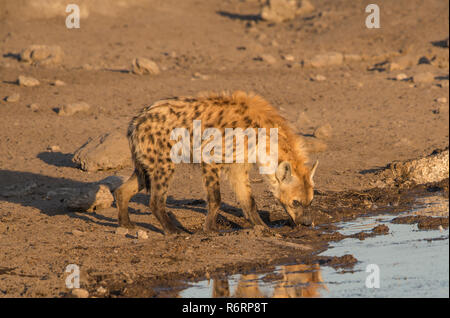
(374, 120)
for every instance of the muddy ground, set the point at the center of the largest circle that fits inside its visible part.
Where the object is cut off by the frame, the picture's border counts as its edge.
(374, 118)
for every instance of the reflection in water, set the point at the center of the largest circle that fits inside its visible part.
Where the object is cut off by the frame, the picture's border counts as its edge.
(294, 281)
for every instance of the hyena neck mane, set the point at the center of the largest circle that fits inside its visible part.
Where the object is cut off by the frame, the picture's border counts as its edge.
(290, 145)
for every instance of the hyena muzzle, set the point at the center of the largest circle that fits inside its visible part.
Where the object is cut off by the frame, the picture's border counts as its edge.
(149, 134)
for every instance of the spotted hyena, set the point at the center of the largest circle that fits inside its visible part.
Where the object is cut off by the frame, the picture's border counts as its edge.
(149, 134)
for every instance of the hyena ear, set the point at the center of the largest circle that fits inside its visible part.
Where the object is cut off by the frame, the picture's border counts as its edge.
(313, 170)
(284, 172)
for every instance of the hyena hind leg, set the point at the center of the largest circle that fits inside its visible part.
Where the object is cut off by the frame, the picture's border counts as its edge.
(160, 185)
(123, 195)
(238, 176)
(211, 182)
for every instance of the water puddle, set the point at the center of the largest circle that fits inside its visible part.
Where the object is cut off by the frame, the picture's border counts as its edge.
(410, 263)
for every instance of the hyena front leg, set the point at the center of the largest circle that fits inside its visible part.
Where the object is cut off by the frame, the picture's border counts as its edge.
(239, 179)
(123, 195)
(160, 185)
(211, 182)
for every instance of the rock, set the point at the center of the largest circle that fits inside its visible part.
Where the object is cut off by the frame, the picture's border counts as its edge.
(71, 109)
(425, 77)
(26, 81)
(143, 66)
(121, 231)
(102, 290)
(289, 58)
(323, 132)
(57, 83)
(319, 78)
(401, 77)
(12, 98)
(432, 168)
(442, 100)
(34, 107)
(107, 151)
(198, 75)
(402, 62)
(77, 232)
(112, 182)
(326, 59)
(142, 234)
(54, 148)
(279, 10)
(268, 58)
(80, 293)
(284, 10)
(90, 198)
(42, 55)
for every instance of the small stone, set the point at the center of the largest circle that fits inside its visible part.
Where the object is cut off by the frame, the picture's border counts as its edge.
(326, 59)
(143, 66)
(402, 62)
(319, 78)
(401, 77)
(425, 77)
(121, 231)
(268, 58)
(54, 149)
(57, 83)
(42, 55)
(442, 100)
(102, 290)
(71, 109)
(289, 58)
(34, 107)
(77, 232)
(13, 98)
(26, 81)
(323, 132)
(198, 75)
(80, 293)
(142, 234)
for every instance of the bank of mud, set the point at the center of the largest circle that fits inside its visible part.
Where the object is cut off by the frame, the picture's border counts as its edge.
(239, 249)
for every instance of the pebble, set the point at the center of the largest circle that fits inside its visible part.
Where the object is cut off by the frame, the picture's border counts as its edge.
(77, 232)
(142, 234)
(71, 109)
(327, 59)
(54, 149)
(289, 58)
(34, 107)
(143, 66)
(57, 83)
(268, 58)
(80, 293)
(26, 81)
(121, 231)
(401, 77)
(13, 98)
(319, 78)
(323, 132)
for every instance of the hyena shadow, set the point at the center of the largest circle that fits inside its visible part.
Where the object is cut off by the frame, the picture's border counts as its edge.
(32, 189)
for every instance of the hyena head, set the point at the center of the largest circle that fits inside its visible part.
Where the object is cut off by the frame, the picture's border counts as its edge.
(295, 190)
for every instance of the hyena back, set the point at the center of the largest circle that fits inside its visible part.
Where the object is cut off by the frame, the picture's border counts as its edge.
(149, 134)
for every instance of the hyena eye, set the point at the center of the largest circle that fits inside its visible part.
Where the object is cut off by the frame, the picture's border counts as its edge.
(296, 204)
